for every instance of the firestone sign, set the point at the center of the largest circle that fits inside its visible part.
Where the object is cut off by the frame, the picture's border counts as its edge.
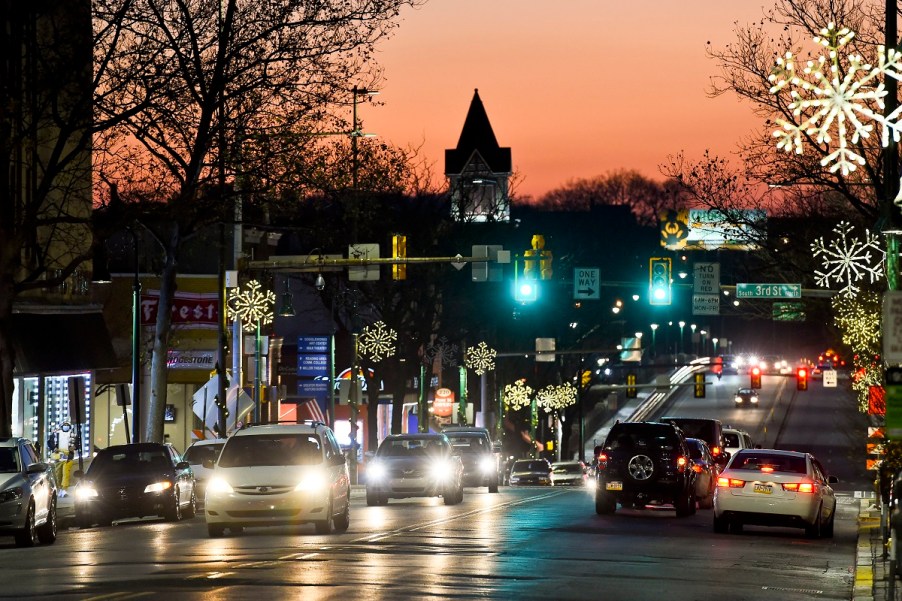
(195, 309)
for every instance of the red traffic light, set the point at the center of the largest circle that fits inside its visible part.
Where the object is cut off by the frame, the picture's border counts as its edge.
(802, 378)
(802, 372)
(756, 371)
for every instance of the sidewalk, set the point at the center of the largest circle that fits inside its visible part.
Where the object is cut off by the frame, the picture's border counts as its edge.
(872, 569)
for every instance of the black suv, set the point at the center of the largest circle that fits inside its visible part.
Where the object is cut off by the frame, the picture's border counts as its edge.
(709, 430)
(642, 463)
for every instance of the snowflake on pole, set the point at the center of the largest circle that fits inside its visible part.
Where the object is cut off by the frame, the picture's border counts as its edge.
(251, 306)
(377, 342)
(555, 398)
(847, 260)
(830, 100)
(443, 350)
(517, 395)
(481, 358)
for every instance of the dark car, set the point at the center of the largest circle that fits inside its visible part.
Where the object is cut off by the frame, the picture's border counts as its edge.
(706, 470)
(642, 463)
(474, 446)
(134, 481)
(414, 465)
(747, 397)
(530, 472)
(709, 430)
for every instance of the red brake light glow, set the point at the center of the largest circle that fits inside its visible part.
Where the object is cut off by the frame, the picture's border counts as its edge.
(696, 468)
(767, 468)
(715, 451)
(723, 482)
(803, 487)
(681, 463)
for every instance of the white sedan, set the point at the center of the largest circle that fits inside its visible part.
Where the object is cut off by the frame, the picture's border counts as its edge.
(766, 487)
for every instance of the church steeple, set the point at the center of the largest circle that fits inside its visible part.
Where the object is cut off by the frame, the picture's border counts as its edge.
(479, 169)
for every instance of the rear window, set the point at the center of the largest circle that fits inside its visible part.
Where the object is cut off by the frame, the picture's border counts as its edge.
(281, 449)
(472, 443)
(695, 449)
(197, 454)
(769, 462)
(530, 466)
(731, 439)
(705, 429)
(642, 436)
(412, 447)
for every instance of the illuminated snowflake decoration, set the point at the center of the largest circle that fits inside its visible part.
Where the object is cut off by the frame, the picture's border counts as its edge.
(442, 350)
(251, 306)
(377, 341)
(847, 260)
(517, 395)
(830, 101)
(481, 358)
(555, 398)
(859, 319)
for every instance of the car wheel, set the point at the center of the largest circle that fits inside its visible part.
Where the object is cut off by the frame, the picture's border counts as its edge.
(344, 520)
(173, 513)
(828, 527)
(47, 531)
(372, 498)
(720, 525)
(325, 526)
(814, 530)
(493, 485)
(27, 536)
(684, 504)
(191, 510)
(215, 530)
(104, 520)
(450, 496)
(605, 502)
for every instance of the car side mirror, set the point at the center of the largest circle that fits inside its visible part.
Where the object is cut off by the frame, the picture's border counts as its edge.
(182, 465)
(36, 468)
(339, 460)
(832, 479)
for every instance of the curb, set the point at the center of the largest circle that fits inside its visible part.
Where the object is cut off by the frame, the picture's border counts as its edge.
(869, 563)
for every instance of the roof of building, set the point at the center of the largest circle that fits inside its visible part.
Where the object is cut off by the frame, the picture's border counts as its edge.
(477, 136)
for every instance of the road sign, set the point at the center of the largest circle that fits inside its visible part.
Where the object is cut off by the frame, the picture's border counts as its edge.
(586, 283)
(829, 378)
(705, 304)
(789, 312)
(768, 291)
(706, 278)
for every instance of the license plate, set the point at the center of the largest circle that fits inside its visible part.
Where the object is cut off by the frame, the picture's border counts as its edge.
(613, 485)
(764, 488)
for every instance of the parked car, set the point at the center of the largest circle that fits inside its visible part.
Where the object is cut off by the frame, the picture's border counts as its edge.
(706, 470)
(569, 473)
(277, 475)
(526, 472)
(415, 465)
(28, 493)
(709, 430)
(747, 397)
(134, 481)
(477, 453)
(196, 455)
(775, 488)
(643, 463)
(736, 440)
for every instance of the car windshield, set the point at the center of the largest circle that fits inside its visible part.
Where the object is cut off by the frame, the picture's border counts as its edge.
(129, 461)
(271, 449)
(530, 466)
(197, 454)
(412, 447)
(769, 462)
(746, 391)
(468, 444)
(567, 468)
(9, 460)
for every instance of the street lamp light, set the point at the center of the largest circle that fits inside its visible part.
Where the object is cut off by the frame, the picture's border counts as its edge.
(682, 324)
(654, 329)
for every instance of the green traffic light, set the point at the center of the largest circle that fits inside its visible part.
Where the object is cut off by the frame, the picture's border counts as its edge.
(525, 292)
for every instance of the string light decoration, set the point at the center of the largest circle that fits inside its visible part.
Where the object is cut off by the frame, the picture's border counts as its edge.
(443, 350)
(859, 320)
(834, 98)
(251, 306)
(221, 405)
(377, 341)
(481, 358)
(556, 398)
(847, 260)
(517, 395)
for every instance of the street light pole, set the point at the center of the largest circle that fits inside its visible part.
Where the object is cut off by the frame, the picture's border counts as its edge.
(654, 346)
(136, 346)
(356, 133)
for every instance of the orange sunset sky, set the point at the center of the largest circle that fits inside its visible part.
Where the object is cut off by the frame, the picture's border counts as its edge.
(576, 88)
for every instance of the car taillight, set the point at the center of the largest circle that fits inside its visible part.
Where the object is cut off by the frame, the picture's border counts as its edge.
(715, 451)
(602, 461)
(803, 487)
(730, 483)
(696, 468)
(681, 463)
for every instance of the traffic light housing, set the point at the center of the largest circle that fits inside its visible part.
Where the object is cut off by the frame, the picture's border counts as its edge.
(699, 385)
(399, 251)
(755, 374)
(802, 379)
(631, 391)
(537, 260)
(659, 288)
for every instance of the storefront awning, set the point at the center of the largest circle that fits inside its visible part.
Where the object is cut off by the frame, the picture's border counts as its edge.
(53, 343)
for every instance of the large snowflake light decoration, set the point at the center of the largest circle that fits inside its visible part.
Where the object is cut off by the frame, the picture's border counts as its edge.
(517, 395)
(829, 99)
(481, 358)
(251, 306)
(443, 350)
(859, 319)
(555, 398)
(847, 260)
(377, 341)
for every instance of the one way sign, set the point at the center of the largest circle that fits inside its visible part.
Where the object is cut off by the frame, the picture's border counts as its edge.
(586, 284)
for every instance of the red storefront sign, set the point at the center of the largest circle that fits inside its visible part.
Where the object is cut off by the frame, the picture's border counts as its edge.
(443, 404)
(195, 309)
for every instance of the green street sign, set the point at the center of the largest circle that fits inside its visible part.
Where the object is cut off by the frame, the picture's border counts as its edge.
(789, 312)
(768, 291)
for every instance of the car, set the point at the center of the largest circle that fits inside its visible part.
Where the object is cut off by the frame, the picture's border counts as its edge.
(736, 440)
(135, 481)
(477, 453)
(643, 463)
(530, 472)
(730, 365)
(747, 397)
(768, 487)
(28, 494)
(279, 475)
(415, 465)
(709, 430)
(706, 470)
(196, 455)
(569, 473)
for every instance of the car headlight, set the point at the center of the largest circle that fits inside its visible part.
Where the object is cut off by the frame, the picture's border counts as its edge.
(312, 481)
(487, 465)
(738, 399)
(157, 487)
(754, 399)
(12, 494)
(218, 485)
(440, 471)
(375, 471)
(85, 491)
